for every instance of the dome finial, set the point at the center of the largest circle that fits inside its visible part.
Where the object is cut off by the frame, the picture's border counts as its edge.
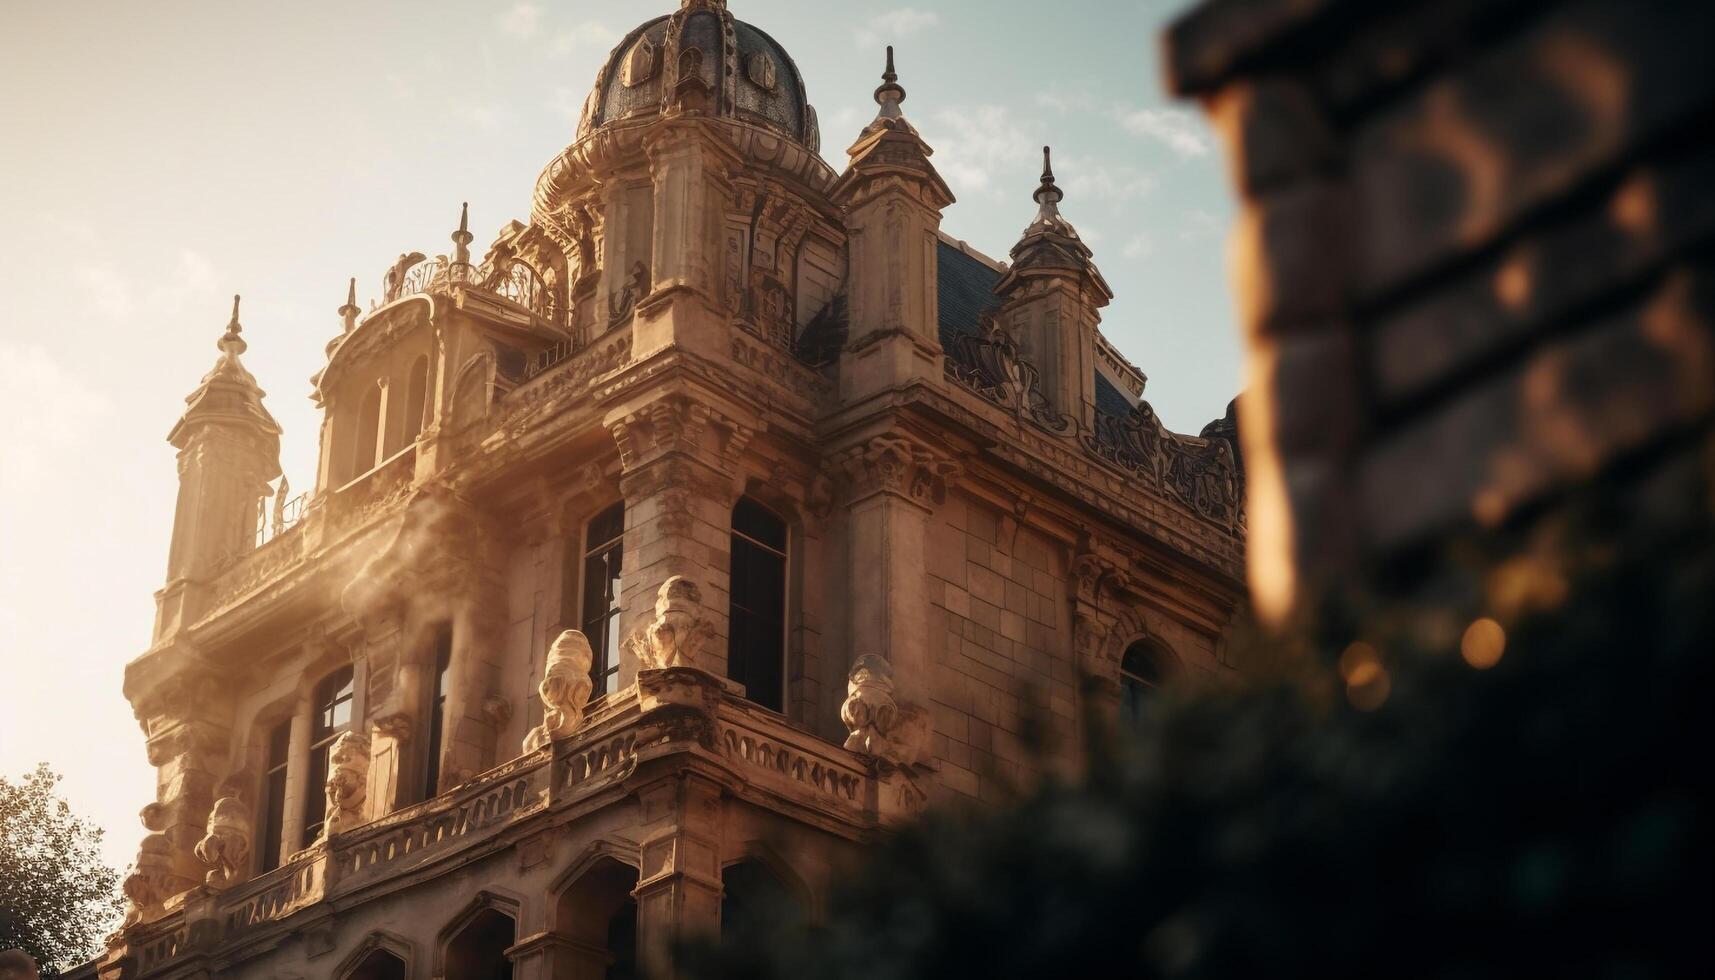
(349, 312)
(230, 342)
(891, 93)
(462, 238)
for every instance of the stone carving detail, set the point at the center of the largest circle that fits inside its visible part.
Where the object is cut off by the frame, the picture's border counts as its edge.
(226, 844)
(347, 785)
(147, 885)
(990, 363)
(635, 289)
(892, 464)
(678, 633)
(760, 69)
(565, 689)
(640, 64)
(1200, 473)
(878, 722)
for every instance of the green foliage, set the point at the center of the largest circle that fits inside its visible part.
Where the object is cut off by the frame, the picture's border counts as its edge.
(57, 898)
(1545, 817)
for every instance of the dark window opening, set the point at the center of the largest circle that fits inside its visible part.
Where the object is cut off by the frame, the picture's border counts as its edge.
(274, 795)
(603, 562)
(1143, 671)
(438, 711)
(379, 965)
(597, 918)
(332, 707)
(478, 952)
(755, 902)
(756, 647)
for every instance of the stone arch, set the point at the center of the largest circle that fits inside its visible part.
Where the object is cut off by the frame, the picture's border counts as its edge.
(594, 914)
(1130, 628)
(380, 956)
(473, 944)
(761, 882)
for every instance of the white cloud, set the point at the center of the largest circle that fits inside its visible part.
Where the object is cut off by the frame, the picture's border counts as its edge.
(1200, 225)
(522, 20)
(1092, 180)
(589, 34)
(974, 144)
(1141, 246)
(1179, 130)
(894, 26)
(47, 409)
(106, 291)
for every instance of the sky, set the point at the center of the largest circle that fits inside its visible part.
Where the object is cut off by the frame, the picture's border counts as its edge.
(156, 158)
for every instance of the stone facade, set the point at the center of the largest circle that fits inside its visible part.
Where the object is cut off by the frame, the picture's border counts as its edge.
(1472, 264)
(723, 515)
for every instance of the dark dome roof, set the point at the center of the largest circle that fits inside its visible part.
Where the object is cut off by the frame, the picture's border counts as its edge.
(747, 74)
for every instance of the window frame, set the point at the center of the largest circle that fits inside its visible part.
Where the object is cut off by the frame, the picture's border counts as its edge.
(276, 786)
(437, 726)
(783, 553)
(605, 642)
(325, 702)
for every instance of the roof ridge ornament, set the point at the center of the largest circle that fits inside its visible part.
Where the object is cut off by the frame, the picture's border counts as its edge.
(890, 93)
(1048, 194)
(230, 342)
(350, 311)
(462, 238)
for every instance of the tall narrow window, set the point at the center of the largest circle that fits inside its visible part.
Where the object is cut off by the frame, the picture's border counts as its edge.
(603, 551)
(363, 448)
(756, 651)
(1142, 672)
(274, 795)
(416, 395)
(438, 710)
(332, 716)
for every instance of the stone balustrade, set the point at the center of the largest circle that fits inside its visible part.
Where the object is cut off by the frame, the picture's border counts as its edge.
(702, 721)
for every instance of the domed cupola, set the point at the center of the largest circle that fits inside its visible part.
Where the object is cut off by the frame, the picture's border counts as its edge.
(703, 60)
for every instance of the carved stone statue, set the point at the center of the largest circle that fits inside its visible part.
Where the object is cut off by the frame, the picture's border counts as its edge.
(880, 723)
(870, 711)
(564, 690)
(145, 886)
(678, 633)
(347, 785)
(227, 842)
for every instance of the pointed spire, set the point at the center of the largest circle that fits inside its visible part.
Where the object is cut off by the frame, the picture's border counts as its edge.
(462, 238)
(230, 342)
(1048, 195)
(890, 93)
(349, 312)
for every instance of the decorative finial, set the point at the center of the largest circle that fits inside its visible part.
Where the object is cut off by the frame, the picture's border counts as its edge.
(1049, 193)
(349, 312)
(891, 93)
(462, 238)
(230, 342)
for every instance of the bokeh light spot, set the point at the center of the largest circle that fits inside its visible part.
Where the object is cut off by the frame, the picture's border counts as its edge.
(1483, 643)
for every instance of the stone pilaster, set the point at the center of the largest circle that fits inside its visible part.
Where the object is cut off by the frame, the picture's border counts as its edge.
(893, 483)
(679, 889)
(677, 480)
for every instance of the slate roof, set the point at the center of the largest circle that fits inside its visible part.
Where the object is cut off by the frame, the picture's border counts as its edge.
(966, 286)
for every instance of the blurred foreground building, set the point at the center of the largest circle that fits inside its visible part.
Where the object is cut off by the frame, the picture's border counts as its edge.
(834, 505)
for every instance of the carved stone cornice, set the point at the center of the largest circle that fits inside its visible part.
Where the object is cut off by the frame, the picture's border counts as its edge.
(1095, 577)
(894, 464)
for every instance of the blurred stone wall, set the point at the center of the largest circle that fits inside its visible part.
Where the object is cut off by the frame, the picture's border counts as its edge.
(1474, 262)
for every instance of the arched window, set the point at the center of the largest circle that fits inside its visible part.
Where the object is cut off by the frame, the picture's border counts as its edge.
(754, 901)
(416, 396)
(331, 716)
(603, 559)
(379, 965)
(438, 711)
(478, 951)
(274, 795)
(599, 918)
(363, 448)
(1143, 670)
(756, 647)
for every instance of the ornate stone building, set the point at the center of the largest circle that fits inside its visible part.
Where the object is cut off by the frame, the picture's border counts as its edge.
(719, 517)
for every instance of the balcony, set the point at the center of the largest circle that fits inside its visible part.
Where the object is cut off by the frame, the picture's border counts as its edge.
(674, 720)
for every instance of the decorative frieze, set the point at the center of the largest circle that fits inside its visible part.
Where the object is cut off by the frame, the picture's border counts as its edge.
(897, 465)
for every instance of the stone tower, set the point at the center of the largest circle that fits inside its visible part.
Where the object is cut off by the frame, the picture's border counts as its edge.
(721, 515)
